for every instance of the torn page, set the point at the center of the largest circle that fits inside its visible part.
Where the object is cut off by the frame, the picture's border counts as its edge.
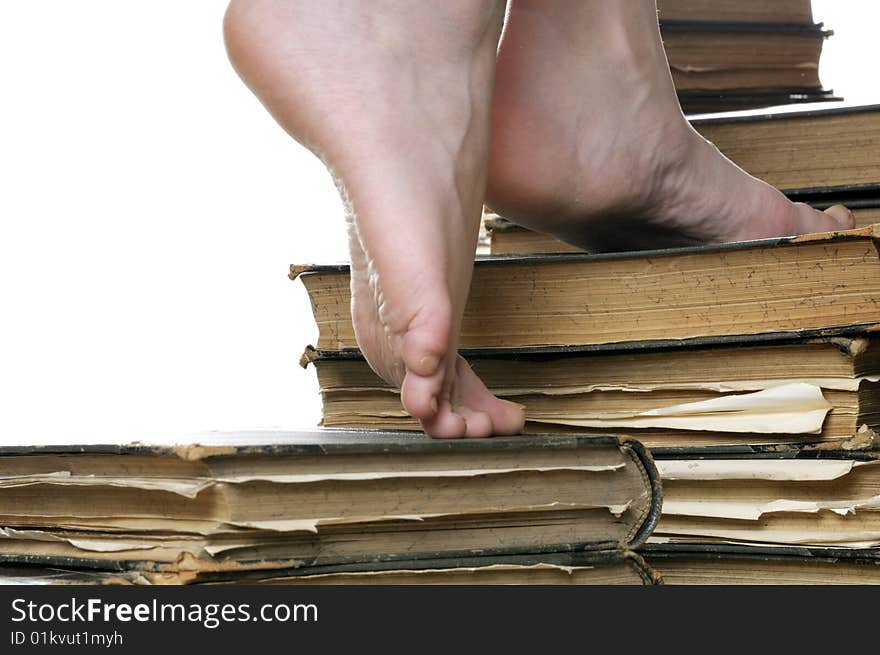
(190, 488)
(791, 409)
(853, 539)
(752, 511)
(757, 469)
(721, 386)
(570, 570)
(187, 487)
(99, 544)
(312, 525)
(443, 473)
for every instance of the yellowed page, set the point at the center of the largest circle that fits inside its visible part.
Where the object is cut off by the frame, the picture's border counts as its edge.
(191, 487)
(792, 408)
(757, 469)
(379, 475)
(752, 511)
(188, 488)
(98, 543)
(848, 539)
(312, 525)
(723, 386)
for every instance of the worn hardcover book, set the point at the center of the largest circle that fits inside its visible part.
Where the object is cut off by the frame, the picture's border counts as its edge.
(785, 498)
(740, 55)
(817, 393)
(223, 505)
(794, 286)
(588, 567)
(726, 56)
(822, 152)
(710, 564)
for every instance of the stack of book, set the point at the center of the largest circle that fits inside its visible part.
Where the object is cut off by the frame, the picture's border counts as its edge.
(739, 54)
(752, 371)
(328, 507)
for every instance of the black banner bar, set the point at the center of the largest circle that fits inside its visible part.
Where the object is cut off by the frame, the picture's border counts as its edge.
(241, 619)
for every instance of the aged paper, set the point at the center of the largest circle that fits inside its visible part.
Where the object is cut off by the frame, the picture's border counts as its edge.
(792, 408)
(757, 469)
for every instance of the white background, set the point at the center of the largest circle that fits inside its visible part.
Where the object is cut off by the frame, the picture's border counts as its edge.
(149, 209)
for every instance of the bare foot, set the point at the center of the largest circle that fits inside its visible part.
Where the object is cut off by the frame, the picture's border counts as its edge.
(394, 96)
(589, 143)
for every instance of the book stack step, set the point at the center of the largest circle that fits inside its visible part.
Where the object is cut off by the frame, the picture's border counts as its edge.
(329, 507)
(752, 371)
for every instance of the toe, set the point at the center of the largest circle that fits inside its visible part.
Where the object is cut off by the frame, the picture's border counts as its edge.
(507, 418)
(477, 413)
(445, 424)
(478, 424)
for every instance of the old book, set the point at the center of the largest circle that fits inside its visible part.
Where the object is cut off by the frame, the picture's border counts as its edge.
(616, 566)
(226, 504)
(504, 237)
(726, 56)
(708, 564)
(589, 567)
(640, 392)
(831, 499)
(824, 152)
(784, 286)
(737, 11)
(732, 55)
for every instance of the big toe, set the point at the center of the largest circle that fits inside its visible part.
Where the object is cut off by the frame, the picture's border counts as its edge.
(478, 424)
(445, 423)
